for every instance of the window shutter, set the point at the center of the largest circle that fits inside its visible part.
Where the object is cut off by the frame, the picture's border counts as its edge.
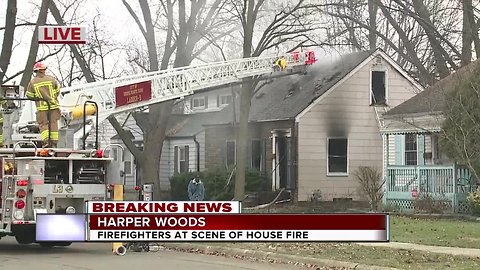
(206, 102)
(420, 149)
(263, 155)
(187, 158)
(249, 153)
(191, 103)
(218, 100)
(175, 160)
(223, 154)
(399, 146)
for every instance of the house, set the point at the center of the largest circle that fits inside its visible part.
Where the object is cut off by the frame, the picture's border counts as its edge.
(415, 163)
(311, 132)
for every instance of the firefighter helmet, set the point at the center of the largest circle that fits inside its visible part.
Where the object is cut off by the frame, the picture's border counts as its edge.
(39, 66)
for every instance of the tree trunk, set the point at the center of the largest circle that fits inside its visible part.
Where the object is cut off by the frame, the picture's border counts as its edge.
(245, 101)
(8, 37)
(372, 35)
(32, 54)
(467, 32)
(86, 71)
(437, 48)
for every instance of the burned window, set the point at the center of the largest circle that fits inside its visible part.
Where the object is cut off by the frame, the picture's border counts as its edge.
(337, 155)
(410, 149)
(378, 91)
(231, 153)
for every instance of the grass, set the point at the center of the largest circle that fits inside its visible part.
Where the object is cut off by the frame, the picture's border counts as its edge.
(437, 232)
(424, 231)
(404, 259)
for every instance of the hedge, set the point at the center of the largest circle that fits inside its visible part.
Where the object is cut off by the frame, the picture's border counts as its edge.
(215, 182)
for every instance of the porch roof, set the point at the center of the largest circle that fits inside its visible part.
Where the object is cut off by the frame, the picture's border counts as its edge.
(419, 124)
(433, 99)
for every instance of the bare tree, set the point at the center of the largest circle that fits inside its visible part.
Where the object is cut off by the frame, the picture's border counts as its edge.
(182, 39)
(8, 37)
(32, 54)
(286, 24)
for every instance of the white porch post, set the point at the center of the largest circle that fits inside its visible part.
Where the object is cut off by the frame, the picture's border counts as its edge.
(385, 165)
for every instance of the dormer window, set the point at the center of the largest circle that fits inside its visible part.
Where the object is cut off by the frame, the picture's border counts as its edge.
(199, 103)
(378, 91)
(224, 100)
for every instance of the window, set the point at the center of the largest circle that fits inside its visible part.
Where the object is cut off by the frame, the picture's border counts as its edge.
(231, 154)
(128, 164)
(410, 149)
(378, 93)
(199, 102)
(181, 159)
(337, 156)
(257, 155)
(224, 100)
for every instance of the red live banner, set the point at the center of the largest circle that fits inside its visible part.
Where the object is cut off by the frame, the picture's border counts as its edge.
(133, 93)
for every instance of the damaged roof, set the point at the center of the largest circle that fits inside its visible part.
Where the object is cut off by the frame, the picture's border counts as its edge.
(433, 99)
(285, 97)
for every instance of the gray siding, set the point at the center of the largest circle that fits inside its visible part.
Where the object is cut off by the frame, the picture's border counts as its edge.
(345, 112)
(201, 141)
(165, 171)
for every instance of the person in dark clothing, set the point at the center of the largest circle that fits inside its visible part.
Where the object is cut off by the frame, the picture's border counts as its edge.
(196, 189)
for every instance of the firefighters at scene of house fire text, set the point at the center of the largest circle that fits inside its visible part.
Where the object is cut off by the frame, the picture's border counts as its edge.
(45, 87)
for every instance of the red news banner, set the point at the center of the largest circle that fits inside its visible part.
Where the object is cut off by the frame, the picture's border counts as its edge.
(222, 221)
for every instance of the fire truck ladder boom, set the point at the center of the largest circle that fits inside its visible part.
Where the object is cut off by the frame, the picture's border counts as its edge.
(176, 83)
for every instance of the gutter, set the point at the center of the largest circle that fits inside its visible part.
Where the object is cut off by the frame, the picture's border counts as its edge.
(197, 144)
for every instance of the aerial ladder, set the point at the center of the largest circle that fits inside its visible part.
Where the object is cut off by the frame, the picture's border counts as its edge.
(99, 100)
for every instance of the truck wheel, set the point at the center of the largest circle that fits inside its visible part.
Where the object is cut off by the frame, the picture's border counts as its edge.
(63, 244)
(25, 239)
(47, 244)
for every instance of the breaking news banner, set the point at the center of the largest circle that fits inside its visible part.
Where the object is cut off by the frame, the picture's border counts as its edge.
(238, 227)
(170, 221)
(153, 207)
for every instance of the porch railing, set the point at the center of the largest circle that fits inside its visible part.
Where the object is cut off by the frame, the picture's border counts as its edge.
(451, 183)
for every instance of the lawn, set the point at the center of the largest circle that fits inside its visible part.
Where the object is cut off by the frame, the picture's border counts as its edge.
(404, 259)
(438, 232)
(425, 231)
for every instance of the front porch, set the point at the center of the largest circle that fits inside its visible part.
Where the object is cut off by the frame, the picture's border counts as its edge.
(406, 183)
(416, 167)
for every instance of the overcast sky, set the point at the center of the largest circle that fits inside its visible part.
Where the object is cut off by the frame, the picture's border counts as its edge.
(115, 21)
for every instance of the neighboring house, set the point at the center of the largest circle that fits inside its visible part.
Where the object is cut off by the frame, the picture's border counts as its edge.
(183, 149)
(311, 132)
(414, 161)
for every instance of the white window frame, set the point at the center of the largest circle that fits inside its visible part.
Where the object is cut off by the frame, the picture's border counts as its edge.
(370, 90)
(220, 104)
(348, 158)
(198, 107)
(180, 158)
(410, 151)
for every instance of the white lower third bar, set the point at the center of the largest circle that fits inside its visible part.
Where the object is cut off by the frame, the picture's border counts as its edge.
(243, 235)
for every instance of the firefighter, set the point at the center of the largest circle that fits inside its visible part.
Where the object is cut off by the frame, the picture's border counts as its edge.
(281, 63)
(45, 87)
